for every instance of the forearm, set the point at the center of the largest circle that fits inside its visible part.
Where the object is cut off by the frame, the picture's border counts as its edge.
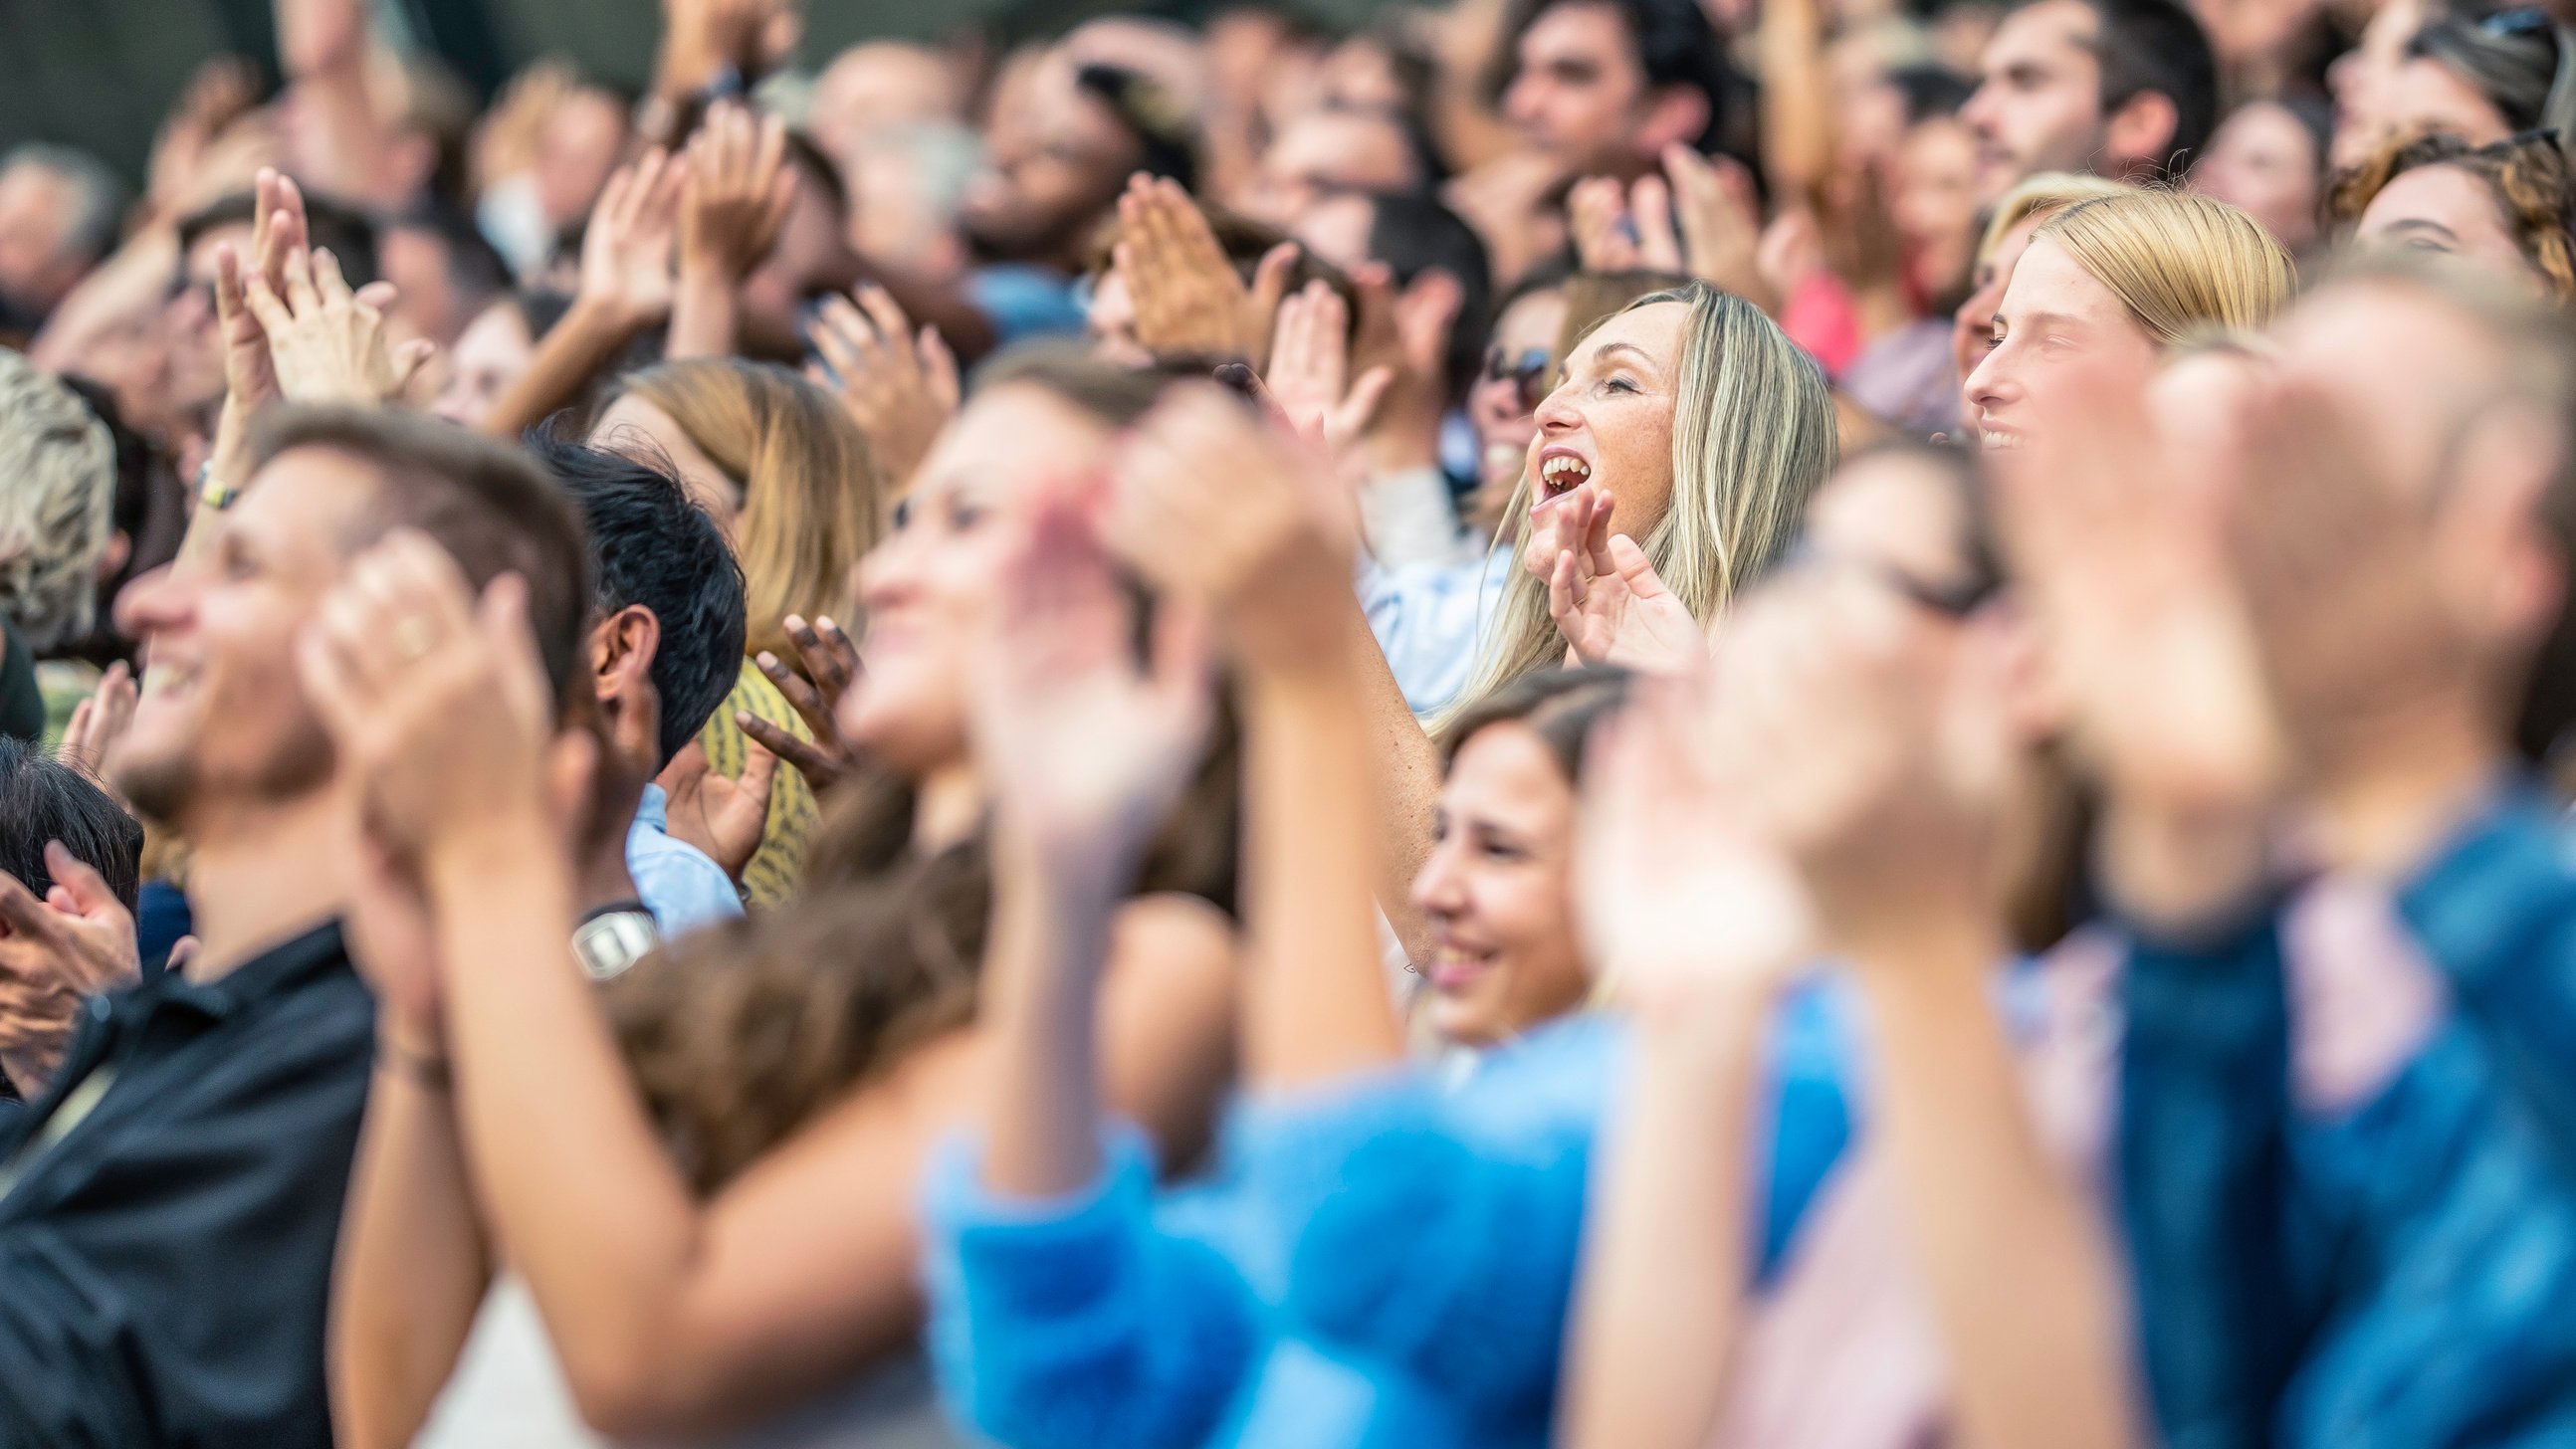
(1316, 1002)
(412, 1267)
(579, 345)
(1797, 116)
(702, 317)
(1404, 785)
(2023, 1283)
(582, 1199)
(1042, 975)
(1665, 1262)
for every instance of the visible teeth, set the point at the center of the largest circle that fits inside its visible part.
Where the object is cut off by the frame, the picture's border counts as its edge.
(1563, 465)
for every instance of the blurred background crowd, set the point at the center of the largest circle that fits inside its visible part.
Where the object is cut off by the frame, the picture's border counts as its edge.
(1613, 722)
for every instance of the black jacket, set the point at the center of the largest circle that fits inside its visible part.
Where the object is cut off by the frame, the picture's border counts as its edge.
(165, 1266)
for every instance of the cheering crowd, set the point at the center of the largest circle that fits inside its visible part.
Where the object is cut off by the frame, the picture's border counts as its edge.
(1621, 723)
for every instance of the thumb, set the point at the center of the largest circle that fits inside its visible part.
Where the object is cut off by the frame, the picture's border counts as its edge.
(1270, 278)
(182, 951)
(759, 768)
(409, 359)
(78, 890)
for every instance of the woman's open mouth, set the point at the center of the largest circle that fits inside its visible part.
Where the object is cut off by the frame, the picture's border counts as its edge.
(1560, 473)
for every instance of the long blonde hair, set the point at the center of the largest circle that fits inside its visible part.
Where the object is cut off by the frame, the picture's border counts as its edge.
(2180, 263)
(812, 502)
(1753, 434)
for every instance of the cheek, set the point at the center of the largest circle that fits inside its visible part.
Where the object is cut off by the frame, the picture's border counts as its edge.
(1642, 468)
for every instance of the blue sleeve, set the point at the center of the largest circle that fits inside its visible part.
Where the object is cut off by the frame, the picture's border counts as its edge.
(2496, 914)
(1024, 302)
(1075, 1323)
(1436, 1232)
(2204, 1181)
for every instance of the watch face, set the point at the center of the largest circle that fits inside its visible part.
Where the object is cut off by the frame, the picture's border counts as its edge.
(607, 945)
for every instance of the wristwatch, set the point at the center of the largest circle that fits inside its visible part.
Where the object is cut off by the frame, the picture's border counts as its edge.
(613, 938)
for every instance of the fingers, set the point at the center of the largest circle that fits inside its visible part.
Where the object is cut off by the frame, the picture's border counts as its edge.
(299, 291)
(1651, 208)
(229, 302)
(800, 695)
(27, 917)
(759, 769)
(409, 359)
(1565, 592)
(820, 769)
(78, 889)
(826, 663)
(1628, 559)
(265, 305)
(1270, 282)
(183, 954)
(376, 296)
(1361, 405)
(1596, 534)
(939, 367)
(890, 325)
(330, 287)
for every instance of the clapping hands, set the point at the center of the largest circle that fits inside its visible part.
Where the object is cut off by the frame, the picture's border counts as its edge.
(1606, 598)
(1189, 302)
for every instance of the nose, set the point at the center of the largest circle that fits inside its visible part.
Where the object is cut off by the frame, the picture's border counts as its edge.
(1978, 114)
(1993, 383)
(150, 602)
(890, 572)
(1557, 412)
(1438, 891)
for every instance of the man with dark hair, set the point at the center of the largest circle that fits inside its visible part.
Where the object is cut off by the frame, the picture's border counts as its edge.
(2123, 88)
(666, 645)
(168, 1207)
(444, 272)
(1341, 148)
(1601, 87)
(70, 863)
(196, 346)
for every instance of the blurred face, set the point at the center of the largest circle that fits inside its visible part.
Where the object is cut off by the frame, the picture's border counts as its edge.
(2264, 162)
(876, 86)
(1579, 88)
(196, 345)
(1112, 320)
(1518, 359)
(223, 719)
(1337, 230)
(36, 264)
(636, 427)
(1935, 204)
(2363, 78)
(2060, 335)
(2039, 106)
(1055, 163)
(494, 350)
(925, 587)
(811, 254)
(1324, 151)
(1896, 517)
(2445, 209)
(1610, 422)
(1498, 891)
(1972, 327)
(425, 300)
(576, 150)
(2428, 96)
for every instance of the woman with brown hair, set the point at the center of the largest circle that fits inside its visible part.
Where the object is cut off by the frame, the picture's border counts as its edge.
(710, 1200)
(787, 474)
(2506, 206)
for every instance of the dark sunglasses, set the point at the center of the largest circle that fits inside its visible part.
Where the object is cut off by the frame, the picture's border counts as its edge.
(1954, 599)
(1528, 373)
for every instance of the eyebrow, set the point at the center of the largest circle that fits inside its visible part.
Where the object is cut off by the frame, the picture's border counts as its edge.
(2421, 226)
(2046, 319)
(1631, 348)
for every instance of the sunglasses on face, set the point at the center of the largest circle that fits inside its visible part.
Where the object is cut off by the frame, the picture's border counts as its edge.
(1528, 372)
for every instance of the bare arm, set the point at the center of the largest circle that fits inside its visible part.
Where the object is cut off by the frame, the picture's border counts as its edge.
(1797, 101)
(347, 149)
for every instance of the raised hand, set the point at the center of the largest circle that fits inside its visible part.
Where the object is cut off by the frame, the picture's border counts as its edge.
(722, 817)
(1606, 598)
(627, 250)
(328, 343)
(55, 954)
(217, 94)
(1189, 302)
(1663, 855)
(1719, 225)
(1310, 365)
(99, 723)
(1218, 507)
(2114, 528)
(736, 195)
(438, 704)
(277, 232)
(1089, 745)
(1621, 229)
(830, 665)
(1875, 756)
(900, 387)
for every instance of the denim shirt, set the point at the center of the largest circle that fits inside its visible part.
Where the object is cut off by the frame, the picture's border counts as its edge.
(2399, 1274)
(165, 1264)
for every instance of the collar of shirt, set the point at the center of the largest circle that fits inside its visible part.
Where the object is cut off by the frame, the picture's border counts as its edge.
(653, 812)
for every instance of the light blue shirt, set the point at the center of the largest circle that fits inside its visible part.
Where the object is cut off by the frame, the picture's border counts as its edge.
(1428, 618)
(676, 881)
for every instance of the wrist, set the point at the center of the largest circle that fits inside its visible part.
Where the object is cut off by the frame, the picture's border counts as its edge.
(1932, 952)
(508, 851)
(606, 317)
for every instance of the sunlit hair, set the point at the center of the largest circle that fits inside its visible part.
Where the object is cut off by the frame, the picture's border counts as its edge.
(1753, 434)
(2043, 196)
(2180, 263)
(56, 506)
(2528, 177)
(812, 502)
